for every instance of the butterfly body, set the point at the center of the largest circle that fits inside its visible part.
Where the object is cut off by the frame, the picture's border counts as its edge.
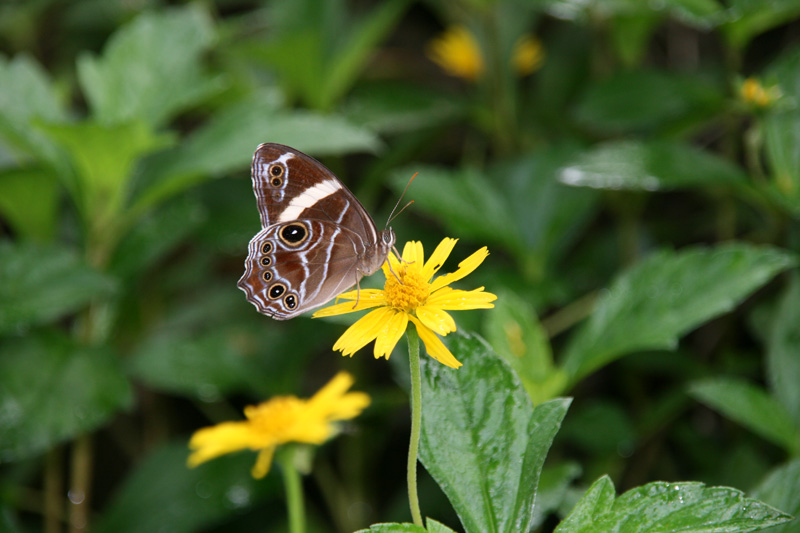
(316, 241)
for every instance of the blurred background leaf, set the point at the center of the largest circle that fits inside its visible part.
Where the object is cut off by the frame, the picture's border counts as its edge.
(654, 303)
(41, 404)
(150, 68)
(40, 283)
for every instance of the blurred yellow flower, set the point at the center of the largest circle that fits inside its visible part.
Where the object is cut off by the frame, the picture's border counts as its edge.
(528, 55)
(754, 93)
(411, 296)
(278, 421)
(457, 52)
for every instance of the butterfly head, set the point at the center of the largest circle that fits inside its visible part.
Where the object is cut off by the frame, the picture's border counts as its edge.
(374, 259)
(387, 240)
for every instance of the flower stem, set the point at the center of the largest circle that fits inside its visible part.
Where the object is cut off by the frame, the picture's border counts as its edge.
(80, 483)
(294, 492)
(416, 417)
(53, 495)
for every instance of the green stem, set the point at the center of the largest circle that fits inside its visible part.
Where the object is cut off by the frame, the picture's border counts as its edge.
(53, 482)
(80, 483)
(294, 492)
(416, 418)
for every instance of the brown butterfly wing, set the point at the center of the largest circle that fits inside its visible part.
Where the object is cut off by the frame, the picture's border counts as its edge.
(298, 266)
(290, 185)
(315, 235)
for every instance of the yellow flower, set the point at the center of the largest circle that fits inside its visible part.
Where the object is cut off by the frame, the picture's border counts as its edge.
(411, 296)
(278, 421)
(457, 52)
(756, 94)
(528, 55)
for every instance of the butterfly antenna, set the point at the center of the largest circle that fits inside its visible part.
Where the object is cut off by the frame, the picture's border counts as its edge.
(394, 214)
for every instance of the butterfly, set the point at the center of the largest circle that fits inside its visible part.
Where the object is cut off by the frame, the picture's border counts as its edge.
(316, 241)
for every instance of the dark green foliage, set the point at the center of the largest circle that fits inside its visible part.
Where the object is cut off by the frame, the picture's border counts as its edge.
(639, 192)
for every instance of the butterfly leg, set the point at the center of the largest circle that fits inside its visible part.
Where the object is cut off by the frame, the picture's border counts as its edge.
(401, 260)
(393, 272)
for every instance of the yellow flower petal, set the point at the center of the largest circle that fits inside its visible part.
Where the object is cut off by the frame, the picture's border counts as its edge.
(438, 257)
(436, 319)
(413, 253)
(228, 437)
(387, 339)
(285, 419)
(451, 299)
(332, 390)
(434, 346)
(363, 331)
(333, 402)
(465, 267)
(263, 463)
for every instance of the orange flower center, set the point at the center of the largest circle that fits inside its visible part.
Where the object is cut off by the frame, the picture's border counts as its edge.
(410, 292)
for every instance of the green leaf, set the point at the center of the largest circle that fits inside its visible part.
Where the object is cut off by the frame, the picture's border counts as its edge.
(436, 527)
(553, 486)
(212, 342)
(228, 141)
(651, 305)
(549, 215)
(155, 235)
(750, 406)
(748, 18)
(481, 440)
(201, 364)
(781, 489)
(349, 61)
(103, 157)
(29, 202)
(699, 13)
(52, 390)
(783, 350)
(516, 335)
(702, 13)
(652, 166)
(539, 215)
(454, 196)
(320, 52)
(195, 497)
(646, 100)
(150, 68)
(396, 528)
(42, 283)
(631, 35)
(27, 95)
(397, 107)
(781, 127)
(27, 92)
(659, 506)
(595, 502)
(432, 527)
